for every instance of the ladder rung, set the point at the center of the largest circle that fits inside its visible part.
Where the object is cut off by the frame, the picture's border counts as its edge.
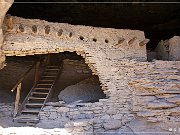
(27, 117)
(39, 93)
(37, 98)
(52, 66)
(48, 76)
(46, 80)
(53, 72)
(52, 69)
(42, 88)
(34, 104)
(44, 84)
(30, 111)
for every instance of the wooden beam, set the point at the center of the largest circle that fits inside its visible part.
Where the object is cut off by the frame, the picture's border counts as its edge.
(16, 108)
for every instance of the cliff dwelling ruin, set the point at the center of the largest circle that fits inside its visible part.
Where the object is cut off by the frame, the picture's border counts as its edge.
(87, 69)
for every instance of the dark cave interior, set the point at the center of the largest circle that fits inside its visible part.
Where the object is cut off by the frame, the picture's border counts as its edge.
(159, 21)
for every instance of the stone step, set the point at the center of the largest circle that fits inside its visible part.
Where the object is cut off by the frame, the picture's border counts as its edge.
(26, 119)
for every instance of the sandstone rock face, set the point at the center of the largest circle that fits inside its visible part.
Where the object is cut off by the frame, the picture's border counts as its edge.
(175, 100)
(87, 90)
(169, 49)
(4, 6)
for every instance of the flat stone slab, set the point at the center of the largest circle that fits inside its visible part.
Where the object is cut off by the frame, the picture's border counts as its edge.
(160, 104)
(175, 100)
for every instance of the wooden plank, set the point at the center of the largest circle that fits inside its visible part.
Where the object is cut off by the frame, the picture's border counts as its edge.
(42, 88)
(36, 98)
(43, 93)
(43, 84)
(33, 104)
(51, 73)
(46, 80)
(48, 76)
(51, 69)
(16, 108)
(30, 111)
(52, 66)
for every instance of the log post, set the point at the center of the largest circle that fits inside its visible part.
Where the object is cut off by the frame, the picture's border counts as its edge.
(37, 72)
(16, 108)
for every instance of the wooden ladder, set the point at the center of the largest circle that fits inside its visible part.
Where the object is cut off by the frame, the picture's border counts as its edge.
(37, 97)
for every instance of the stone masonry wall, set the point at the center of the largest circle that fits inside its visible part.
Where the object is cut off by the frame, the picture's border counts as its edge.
(156, 92)
(29, 37)
(107, 114)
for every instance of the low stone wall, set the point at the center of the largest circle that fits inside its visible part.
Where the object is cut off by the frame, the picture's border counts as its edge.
(103, 116)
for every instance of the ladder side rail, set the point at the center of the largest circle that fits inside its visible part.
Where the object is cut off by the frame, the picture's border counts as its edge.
(26, 99)
(22, 78)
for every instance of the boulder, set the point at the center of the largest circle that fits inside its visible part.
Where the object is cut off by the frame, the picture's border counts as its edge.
(88, 90)
(169, 49)
(112, 124)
